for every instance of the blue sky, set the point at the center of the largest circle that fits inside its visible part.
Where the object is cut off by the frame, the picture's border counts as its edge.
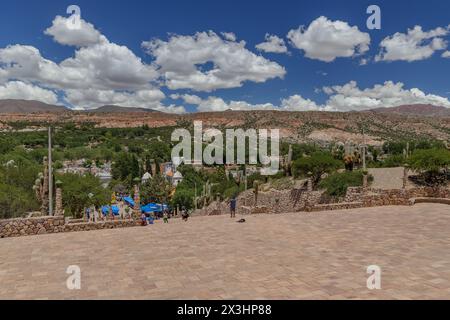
(296, 76)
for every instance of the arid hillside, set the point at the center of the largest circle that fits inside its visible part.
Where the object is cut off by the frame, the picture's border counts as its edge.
(296, 126)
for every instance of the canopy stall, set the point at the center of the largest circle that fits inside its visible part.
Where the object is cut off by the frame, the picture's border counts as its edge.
(115, 210)
(129, 201)
(154, 207)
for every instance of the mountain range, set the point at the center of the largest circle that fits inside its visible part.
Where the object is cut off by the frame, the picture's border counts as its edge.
(426, 110)
(402, 122)
(30, 106)
(119, 109)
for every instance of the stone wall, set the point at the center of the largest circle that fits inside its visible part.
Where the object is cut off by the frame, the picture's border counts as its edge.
(274, 200)
(31, 226)
(379, 197)
(44, 225)
(112, 224)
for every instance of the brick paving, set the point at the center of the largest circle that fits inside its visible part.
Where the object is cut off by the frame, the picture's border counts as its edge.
(320, 255)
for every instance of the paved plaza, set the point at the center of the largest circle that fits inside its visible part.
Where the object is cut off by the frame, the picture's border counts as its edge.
(289, 256)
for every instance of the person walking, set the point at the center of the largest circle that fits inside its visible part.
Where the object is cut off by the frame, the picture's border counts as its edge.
(185, 215)
(233, 203)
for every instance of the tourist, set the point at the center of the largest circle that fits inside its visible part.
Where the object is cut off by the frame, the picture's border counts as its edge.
(166, 217)
(184, 215)
(95, 215)
(88, 214)
(233, 202)
(143, 219)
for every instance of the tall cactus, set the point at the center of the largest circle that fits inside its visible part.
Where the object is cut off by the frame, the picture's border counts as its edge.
(256, 191)
(41, 189)
(59, 209)
(288, 168)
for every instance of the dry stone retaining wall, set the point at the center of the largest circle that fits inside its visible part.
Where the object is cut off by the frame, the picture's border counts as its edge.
(273, 201)
(45, 225)
(379, 197)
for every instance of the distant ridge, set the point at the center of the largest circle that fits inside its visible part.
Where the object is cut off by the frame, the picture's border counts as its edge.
(28, 106)
(119, 109)
(423, 110)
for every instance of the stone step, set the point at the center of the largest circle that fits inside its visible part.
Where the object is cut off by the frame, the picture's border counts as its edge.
(337, 206)
(430, 200)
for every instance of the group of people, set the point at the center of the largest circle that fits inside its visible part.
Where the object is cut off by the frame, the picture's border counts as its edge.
(148, 218)
(96, 214)
(92, 214)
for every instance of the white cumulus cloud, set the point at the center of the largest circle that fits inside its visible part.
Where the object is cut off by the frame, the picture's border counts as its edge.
(98, 72)
(187, 98)
(85, 35)
(415, 45)
(446, 54)
(206, 62)
(92, 98)
(298, 103)
(215, 104)
(326, 40)
(351, 97)
(24, 91)
(273, 44)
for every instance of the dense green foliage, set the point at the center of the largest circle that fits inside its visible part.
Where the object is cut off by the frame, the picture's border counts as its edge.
(431, 160)
(336, 184)
(132, 151)
(80, 192)
(432, 165)
(17, 176)
(398, 147)
(156, 190)
(126, 168)
(317, 164)
(183, 198)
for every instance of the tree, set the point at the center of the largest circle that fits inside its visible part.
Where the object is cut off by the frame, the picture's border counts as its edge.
(77, 190)
(156, 189)
(159, 151)
(15, 201)
(183, 198)
(336, 185)
(125, 167)
(431, 163)
(17, 176)
(317, 164)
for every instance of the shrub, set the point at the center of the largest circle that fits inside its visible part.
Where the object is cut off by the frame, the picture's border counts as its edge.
(318, 164)
(430, 163)
(336, 185)
(431, 160)
(76, 190)
(183, 198)
(397, 160)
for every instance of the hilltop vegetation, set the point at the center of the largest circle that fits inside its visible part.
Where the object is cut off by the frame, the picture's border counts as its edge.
(133, 150)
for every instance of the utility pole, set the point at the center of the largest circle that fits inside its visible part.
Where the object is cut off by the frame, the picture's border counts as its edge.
(50, 173)
(364, 148)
